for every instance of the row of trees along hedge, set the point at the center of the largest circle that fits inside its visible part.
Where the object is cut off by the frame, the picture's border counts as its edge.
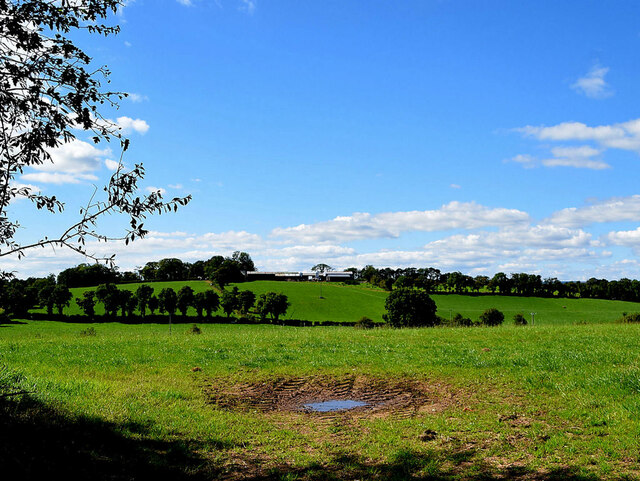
(520, 284)
(50, 295)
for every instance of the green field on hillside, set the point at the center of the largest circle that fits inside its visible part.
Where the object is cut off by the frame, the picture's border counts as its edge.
(349, 303)
(132, 402)
(323, 301)
(312, 301)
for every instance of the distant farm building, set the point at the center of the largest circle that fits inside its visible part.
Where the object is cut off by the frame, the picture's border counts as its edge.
(299, 276)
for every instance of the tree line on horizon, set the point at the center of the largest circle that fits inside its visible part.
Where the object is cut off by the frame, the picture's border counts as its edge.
(222, 271)
(521, 284)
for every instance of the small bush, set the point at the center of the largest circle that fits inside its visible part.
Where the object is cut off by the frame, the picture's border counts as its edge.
(195, 329)
(519, 320)
(460, 321)
(364, 323)
(457, 321)
(632, 318)
(89, 331)
(492, 317)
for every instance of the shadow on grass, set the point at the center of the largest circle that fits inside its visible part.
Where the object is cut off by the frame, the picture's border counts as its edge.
(7, 323)
(38, 442)
(407, 465)
(176, 319)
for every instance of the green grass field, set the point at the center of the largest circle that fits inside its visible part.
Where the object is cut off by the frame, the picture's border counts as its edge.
(545, 402)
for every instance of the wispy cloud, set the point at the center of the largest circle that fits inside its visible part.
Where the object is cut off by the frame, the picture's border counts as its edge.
(137, 98)
(455, 215)
(248, 6)
(151, 188)
(616, 209)
(538, 248)
(127, 124)
(629, 238)
(71, 163)
(620, 136)
(111, 164)
(593, 84)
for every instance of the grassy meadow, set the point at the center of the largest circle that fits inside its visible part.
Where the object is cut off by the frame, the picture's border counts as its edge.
(311, 301)
(130, 401)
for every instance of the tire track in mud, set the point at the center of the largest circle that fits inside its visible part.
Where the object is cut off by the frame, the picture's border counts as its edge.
(401, 398)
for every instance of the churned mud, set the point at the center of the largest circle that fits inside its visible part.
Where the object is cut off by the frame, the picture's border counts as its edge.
(399, 397)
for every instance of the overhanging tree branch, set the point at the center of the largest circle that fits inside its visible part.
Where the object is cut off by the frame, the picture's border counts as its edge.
(47, 94)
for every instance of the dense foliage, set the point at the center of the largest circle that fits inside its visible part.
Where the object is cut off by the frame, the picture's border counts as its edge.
(272, 304)
(408, 307)
(492, 317)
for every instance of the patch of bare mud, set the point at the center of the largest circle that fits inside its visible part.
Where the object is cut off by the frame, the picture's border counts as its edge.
(400, 397)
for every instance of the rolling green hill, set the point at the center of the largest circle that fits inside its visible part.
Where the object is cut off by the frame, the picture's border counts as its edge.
(338, 303)
(349, 303)
(314, 301)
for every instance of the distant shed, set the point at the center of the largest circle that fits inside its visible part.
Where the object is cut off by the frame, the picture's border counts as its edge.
(338, 276)
(298, 276)
(260, 276)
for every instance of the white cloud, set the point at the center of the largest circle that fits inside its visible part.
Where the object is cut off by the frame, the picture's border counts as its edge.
(19, 185)
(621, 136)
(583, 151)
(578, 157)
(74, 157)
(455, 215)
(455, 186)
(111, 164)
(127, 124)
(539, 236)
(137, 98)
(127, 44)
(187, 3)
(234, 240)
(576, 163)
(629, 238)
(538, 249)
(309, 251)
(593, 84)
(527, 161)
(71, 163)
(624, 136)
(58, 178)
(611, 210)
(175, 186)
(156, 189)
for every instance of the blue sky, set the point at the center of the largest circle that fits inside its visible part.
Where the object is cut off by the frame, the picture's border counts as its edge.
(472, 136)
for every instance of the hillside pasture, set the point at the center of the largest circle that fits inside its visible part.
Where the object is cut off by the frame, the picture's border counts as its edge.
(342, 303)
(320, 302)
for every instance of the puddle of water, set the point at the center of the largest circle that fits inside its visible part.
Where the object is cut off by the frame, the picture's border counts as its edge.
(334, 405)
